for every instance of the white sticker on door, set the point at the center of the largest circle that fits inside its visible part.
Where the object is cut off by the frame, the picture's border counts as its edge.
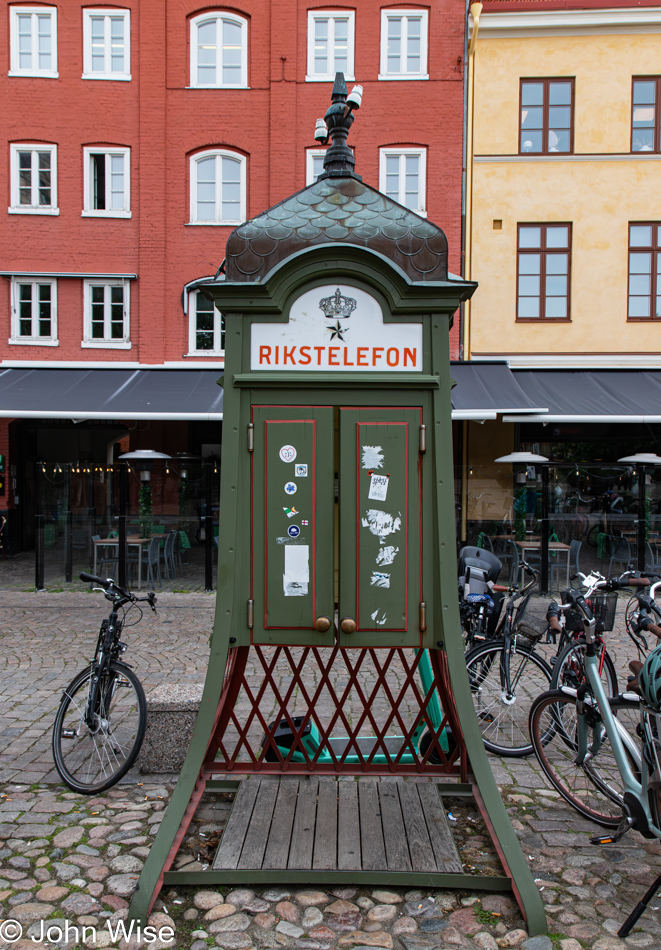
(379, 580)
(378, 487)
(386, 554)
(287, 453)
(379, 617)
(381, 523)
(296, 578)
(372, 456)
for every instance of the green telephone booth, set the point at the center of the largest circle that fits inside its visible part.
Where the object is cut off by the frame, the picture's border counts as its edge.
(337, 650)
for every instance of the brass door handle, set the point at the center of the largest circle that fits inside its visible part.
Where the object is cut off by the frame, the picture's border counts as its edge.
(322, 624)
(348, 625)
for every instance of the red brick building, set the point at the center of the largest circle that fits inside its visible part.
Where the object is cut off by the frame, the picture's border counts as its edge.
(135, 138)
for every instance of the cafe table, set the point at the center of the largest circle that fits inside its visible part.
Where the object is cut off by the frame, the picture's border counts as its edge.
(558, 546)
(131, 542)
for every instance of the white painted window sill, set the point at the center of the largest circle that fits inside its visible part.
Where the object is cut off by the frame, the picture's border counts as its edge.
(47, 211)
(29, 341)
(106, 214)
(106, 345)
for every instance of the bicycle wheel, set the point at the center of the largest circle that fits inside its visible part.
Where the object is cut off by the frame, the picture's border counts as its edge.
(594, 788)
(92, 760)
(503, 716)
(569, 669)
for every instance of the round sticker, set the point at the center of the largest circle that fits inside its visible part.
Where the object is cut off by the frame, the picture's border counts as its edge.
(291, 488)
(293, 530)
(287, 453)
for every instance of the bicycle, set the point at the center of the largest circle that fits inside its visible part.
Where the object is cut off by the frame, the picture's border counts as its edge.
(592, 760)
(506, 674)
(101, 720)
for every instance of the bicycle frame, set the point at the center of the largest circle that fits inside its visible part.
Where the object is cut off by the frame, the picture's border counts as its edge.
(636, 793)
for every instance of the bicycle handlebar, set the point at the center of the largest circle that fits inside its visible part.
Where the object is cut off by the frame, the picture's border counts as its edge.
(109, 582)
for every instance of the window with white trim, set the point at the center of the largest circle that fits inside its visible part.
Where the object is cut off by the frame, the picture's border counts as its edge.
(33, 42)
(106, 314)
(403, 44)
(106, 44)
(314, 164)
(33, 179)
(402, 177)
(219, 51)
(330, 44)
(206, 327)
(217, 188)
(34, 311)
(106, 182)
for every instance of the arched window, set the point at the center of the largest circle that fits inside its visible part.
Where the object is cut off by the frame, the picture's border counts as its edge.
(218, 188)
(219, 51)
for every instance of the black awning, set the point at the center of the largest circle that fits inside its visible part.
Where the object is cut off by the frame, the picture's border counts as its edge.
(600, 395)
(111, 394)
(484, 390)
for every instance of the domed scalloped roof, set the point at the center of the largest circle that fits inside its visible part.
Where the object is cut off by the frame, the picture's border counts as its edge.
(338, 209)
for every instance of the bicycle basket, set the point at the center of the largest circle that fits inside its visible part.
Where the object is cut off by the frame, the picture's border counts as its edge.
(604, 607)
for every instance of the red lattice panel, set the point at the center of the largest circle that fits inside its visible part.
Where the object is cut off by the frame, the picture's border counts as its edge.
(368, 694)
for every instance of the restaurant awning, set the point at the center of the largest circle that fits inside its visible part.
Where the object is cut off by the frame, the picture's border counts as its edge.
(603, 395)
(80, 394)
(485, 390)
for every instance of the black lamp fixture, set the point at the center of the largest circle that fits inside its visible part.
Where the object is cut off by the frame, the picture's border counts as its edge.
(335, 125)
(144, 461)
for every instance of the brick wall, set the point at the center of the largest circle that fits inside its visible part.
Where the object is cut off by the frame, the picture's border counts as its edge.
(163, 123)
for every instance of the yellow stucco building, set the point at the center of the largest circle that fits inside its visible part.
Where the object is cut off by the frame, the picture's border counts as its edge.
(563, 236)
(548, 151)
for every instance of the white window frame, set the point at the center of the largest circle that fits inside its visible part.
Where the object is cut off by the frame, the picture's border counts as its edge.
(34, 12)
(218, 15)
(107, 74)
(16, 339)
(89, 342)
(192, 329)
(399, 14)
(310, 156)
(89, 211)
(15, 206)
(422, 174)
(217, 153)
(313, 16)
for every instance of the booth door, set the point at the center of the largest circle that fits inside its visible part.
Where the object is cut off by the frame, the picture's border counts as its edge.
(291, 525)
(380, 564)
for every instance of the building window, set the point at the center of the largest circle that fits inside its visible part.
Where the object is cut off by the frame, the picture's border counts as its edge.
(547, 110)
(403, 44)
(644, 271)
(330, 44)
(34, 311)
(645, 114)
(402, 177)
(206, 335)
(33, 179)
(33, 42)
(218, 188)
(543, 271)
(106, 44)
(314, 164)
(219, 51)
(107, 183)
(106, 307)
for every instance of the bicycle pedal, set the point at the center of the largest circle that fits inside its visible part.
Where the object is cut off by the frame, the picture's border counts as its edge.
(485, 717)
(613, 838)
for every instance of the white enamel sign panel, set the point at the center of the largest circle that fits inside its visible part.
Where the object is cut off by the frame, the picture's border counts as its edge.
(337, 327)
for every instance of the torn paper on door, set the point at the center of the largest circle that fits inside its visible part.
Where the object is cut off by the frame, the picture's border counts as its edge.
(296, 578)
(381, 523)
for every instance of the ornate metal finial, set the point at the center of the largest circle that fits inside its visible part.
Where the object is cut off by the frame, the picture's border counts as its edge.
(339, 161)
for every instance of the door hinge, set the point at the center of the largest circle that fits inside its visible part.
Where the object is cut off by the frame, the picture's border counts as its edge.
(423, 616)
(423, 439)
(251, 437)
(251, 613)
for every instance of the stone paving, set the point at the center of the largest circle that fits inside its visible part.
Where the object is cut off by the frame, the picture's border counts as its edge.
(68, 858)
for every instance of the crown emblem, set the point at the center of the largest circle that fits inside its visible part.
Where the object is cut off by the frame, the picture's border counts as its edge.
(338, 306)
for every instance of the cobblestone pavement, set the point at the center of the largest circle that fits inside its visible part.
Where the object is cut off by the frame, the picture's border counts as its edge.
(64, 857)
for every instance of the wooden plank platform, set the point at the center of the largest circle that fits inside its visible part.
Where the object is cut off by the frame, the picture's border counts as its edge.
(324, 825)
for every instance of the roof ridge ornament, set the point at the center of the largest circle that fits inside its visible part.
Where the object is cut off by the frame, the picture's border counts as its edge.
(339, 161)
